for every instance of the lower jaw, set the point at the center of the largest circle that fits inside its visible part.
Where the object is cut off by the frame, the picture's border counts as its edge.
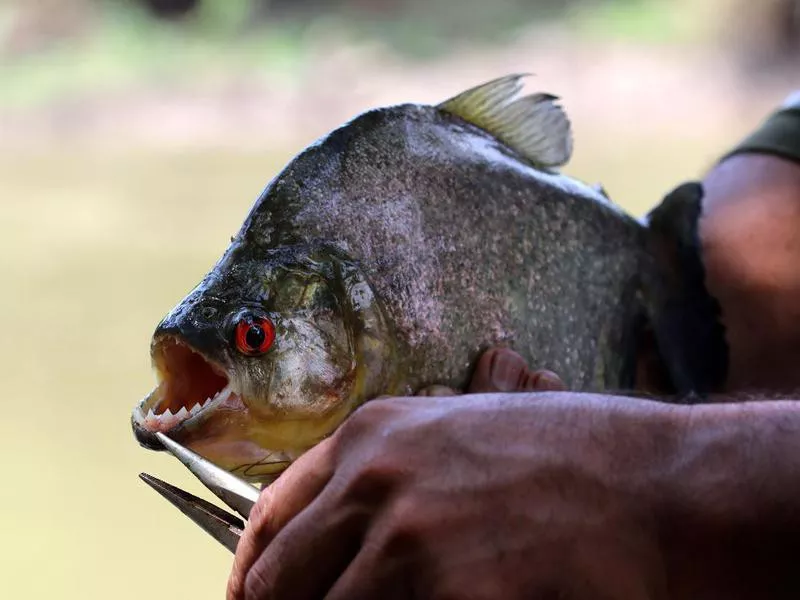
(146, 423)
(255, 449)
(242, 457)
(147, 439)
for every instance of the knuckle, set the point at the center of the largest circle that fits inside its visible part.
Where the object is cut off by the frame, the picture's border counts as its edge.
(404, 531)
(372, 480)
(374, 411)
(408, 524)
(373, 451)
(261, 516)
(373, 421)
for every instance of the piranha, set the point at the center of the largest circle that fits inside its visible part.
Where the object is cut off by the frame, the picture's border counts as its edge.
(387, 256)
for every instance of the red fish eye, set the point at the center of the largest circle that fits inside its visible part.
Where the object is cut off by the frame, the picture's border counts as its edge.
(254, 335)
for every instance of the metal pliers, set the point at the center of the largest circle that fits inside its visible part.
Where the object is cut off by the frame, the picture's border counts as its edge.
(238, 494)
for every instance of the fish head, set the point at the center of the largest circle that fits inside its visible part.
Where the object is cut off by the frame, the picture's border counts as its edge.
(265, 358)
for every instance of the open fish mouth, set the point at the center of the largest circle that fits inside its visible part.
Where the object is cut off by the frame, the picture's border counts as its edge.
(191, 388)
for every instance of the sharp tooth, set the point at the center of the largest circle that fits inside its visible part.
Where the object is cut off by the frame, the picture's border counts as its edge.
(166, 413)
(150, 414)
(182, 413)
(195, 409)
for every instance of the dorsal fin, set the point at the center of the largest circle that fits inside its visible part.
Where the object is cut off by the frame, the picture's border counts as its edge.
(534, 125)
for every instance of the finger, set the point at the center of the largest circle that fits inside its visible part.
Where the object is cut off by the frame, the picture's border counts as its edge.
(309, 554)
(498, 370)
(404, 555)
(387, 566)
(277, 504)
(373, 574)
(437, 390)
(503, 370)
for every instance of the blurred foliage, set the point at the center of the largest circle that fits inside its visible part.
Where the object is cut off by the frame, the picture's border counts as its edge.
(636, 20)
(413, 27)
(99, 242)
(55, 48)
(124, 46)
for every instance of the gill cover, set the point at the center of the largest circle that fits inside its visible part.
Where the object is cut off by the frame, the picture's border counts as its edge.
(331, 332)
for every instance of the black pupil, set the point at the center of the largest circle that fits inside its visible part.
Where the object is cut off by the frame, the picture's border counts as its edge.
(255, 336)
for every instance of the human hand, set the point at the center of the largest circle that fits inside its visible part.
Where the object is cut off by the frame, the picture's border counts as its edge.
(503, 370)
(486, 496)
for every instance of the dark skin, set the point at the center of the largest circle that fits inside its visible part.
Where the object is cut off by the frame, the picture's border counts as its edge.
(552, 494)
(752, 252)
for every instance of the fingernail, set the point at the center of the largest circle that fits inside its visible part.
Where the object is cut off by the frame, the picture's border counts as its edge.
(507, 369)
(545, 381)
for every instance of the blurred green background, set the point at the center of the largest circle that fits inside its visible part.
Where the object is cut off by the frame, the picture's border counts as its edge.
(134, 137)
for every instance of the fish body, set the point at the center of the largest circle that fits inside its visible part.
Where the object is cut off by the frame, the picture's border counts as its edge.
(384, 259)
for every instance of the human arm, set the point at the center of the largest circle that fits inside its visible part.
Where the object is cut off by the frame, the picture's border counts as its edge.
(561, 493)
(750, 235)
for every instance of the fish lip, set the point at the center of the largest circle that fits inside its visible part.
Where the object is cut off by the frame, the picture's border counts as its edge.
(145, 437)
(228, 396)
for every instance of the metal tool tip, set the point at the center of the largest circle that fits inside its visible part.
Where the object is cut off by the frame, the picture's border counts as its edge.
(235, 492)
(223, 526)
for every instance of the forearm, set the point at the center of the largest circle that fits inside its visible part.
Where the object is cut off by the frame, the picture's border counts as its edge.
(730, 520)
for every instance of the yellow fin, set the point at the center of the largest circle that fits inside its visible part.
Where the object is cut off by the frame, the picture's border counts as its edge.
(533, 125)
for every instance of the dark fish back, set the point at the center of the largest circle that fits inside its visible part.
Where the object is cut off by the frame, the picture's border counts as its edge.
(467, 245)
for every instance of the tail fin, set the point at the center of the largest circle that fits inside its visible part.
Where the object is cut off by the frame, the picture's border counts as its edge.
(685, 317)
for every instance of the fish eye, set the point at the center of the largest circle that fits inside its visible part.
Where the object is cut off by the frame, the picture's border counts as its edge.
(254, 335)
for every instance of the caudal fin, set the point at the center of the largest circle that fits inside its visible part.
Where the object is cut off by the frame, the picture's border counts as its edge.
(686, 318)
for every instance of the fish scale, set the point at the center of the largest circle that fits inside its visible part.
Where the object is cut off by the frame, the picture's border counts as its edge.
(429, 234)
